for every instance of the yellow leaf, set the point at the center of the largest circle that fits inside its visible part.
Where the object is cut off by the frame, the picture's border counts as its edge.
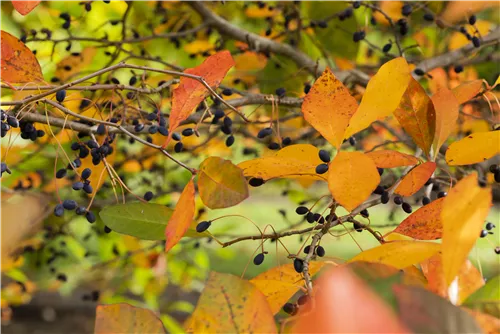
(456, 10)
(399, 254)
(125, 318)
(475, 148)
(229, 304)
(467, 90)
(415, 179)
(469, 279)
(74, 64)
(446, 108)
(382, 95)
(182, 217)
(391, 159)
(221, 184)
(198, 46)
(391, 8)
(290, 162)
(279, 284)
(352, 177)
(416, 115)
(328, 107)
(463, 214)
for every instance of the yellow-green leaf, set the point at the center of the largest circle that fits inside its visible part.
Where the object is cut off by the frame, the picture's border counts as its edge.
(382, 96)
(475, 148)
(391, 159)
(352, 177)
(125, 318)
(446, 108)
(279, 284)
(415, 179)
(290, 162)
(416, 115)
(221, 184)
(399, 254)
(328, 107)
(229, 304)
(181, 218)
(463, 214)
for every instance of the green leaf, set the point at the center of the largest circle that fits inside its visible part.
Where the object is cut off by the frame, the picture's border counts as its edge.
(141, 220)
(486, 298)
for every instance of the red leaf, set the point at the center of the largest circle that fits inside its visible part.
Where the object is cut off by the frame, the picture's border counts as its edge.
(391, 159)
(425, 223)
(182, 217)
(19, 64)
(24, 7)
(415, 179)
(191, 92)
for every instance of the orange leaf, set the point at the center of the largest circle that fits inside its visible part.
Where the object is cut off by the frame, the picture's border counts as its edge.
(19, 64)
(221, 184)
(339, 300)
(391, 159)
(328, 107)
(467, 90)
(352, 177)
(229, 304)
(191, 92)
(425, 223)
(125, 318)
(416, 115)
(469, 279)
(488, 323)
(24, 7)
(415, 179)
(182, 217)
(464, 211)
(446, 108)
(382, 95)
(475, 148)
(399, 254)
(279, 284)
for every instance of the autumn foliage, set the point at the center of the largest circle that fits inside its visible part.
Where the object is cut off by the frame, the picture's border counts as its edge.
(151, 138)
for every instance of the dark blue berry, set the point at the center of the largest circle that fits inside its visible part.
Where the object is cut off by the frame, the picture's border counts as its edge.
(258, 259)
(86, 173)
(69, 204)
(298, 265)
(264, 133)
(203, 226)
(60, 95)
(59, 210)
(324, 156)
(91, 218)
(256, 182)
(321, 169)
(148, 196)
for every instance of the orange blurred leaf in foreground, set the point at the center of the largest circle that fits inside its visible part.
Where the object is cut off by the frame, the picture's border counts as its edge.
(340, 299)
(25, 7)
(125, 318)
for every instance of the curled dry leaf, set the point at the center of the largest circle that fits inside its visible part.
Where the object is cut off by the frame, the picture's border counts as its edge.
(191, 92)
(279, 284)
(24, 7)
(352, 177)
(382, 96)
(125, 318)
(463, 214)
(391, 159)
(328, 107)
(19, 64)
(294, 161)
(181, 218)
(475, 148)
(229, 304)
(446, 108)
(221, 184)
(399, 254)
(417, 116)
(415, 179)
(425, 223)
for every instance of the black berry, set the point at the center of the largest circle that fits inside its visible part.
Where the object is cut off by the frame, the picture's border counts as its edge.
(258, 259)
(301, 210)
(148, 196)
(324, 156)
(264, 133)
(60, 95)
(298, 265)
(407, 207)
(203, 226)
(321, 169)
(256, 182)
